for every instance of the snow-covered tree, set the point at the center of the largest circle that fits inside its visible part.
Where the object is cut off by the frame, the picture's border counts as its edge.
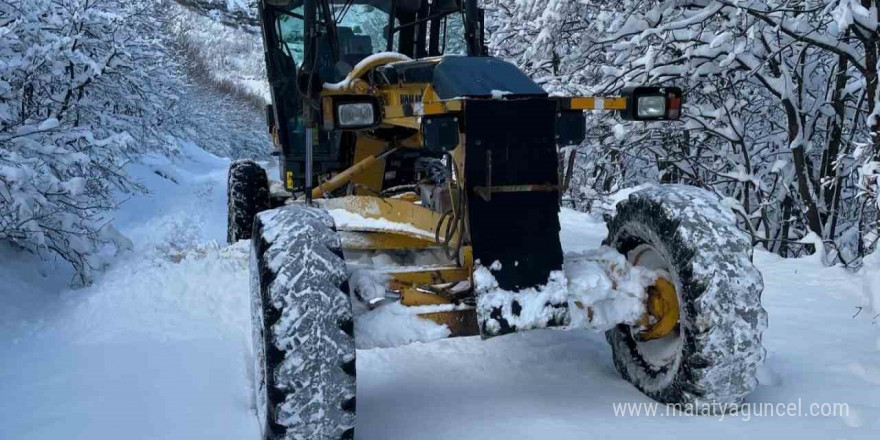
(781, 115)
(82, 90)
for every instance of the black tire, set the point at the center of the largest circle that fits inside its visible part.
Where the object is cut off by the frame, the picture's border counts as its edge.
(713, 361)
(247, 193)
(302, 326)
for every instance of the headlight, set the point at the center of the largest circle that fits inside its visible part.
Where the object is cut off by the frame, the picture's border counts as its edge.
(358, 114)
(652, 106)
(350, 112)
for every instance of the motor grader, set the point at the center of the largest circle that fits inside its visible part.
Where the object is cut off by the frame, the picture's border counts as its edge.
(408, 161)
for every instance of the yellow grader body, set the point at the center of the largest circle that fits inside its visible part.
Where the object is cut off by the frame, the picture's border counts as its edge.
(405, 224)
(414, 177)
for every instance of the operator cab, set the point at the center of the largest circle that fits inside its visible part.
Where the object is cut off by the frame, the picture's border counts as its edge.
(310, 43)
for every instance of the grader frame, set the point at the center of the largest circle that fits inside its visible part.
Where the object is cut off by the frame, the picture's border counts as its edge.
(440, 107)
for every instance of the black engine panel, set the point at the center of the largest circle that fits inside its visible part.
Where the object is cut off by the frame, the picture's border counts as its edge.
(512, 142)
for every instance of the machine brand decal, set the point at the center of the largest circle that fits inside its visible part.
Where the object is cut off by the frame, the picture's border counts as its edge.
(410, 99)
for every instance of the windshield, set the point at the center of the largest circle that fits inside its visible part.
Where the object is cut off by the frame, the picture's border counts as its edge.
(365, 22)
(291, 31)
(362, 29)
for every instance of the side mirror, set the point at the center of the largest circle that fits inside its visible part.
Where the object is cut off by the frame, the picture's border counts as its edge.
(350, 112)
(652, 104)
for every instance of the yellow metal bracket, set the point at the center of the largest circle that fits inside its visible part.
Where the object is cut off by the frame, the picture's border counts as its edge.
(401, 216)
(412, 297)
(381, 241)
(429, 277)
(414, 285)
(594, 103)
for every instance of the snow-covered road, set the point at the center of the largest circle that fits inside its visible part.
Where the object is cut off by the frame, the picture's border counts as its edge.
(158, 348)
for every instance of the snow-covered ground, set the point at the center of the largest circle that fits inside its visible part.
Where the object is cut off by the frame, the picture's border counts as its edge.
(158, 347)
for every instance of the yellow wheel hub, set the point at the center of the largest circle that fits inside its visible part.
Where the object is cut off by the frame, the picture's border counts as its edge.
(662, 311)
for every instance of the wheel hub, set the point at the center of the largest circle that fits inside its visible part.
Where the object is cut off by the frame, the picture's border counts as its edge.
(661, 315)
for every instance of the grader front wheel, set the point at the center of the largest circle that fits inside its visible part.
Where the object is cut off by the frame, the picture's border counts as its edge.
(708, 350)
(304, 350)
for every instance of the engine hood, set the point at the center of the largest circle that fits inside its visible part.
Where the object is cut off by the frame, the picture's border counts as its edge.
(463, 77)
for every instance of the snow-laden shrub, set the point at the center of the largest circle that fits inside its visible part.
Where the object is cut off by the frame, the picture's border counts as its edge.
(222, 58)
(219, 51)
(81, 91)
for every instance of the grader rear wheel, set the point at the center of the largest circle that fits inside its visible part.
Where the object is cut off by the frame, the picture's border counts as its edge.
(710, 355)
(247, 195)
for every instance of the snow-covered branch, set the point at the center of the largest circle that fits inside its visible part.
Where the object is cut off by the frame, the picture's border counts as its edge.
(775, 117)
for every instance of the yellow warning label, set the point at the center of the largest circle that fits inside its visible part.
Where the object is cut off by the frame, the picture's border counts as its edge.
(289, 183)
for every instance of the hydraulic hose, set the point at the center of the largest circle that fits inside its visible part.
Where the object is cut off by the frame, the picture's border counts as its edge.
(455, 222)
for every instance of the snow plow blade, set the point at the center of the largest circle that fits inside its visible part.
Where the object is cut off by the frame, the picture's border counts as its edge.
(513, 192)
(461, 323)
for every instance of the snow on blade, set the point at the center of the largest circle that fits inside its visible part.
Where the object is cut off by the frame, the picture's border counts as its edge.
(349, 221)
(367, 285)
(393, 325)
(388, 324)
